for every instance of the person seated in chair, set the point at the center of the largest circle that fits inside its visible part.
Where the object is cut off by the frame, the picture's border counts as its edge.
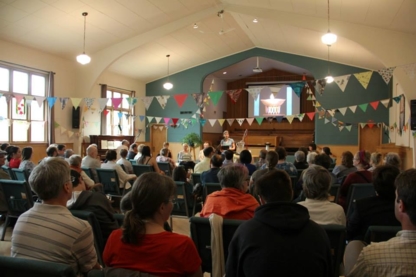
(125, 162)
(123, 177)
(26, 163)
(204, 164)
(228, 157)
(94, 202)
(185, 158)
(211, 175)
(3, 175)
(265, 244)
(245, 159)
(90, 161)
(75, 164)
(300, 160)
(48, 231)
(232, 201)
(163, 158)
(147, 159)
(132, 151)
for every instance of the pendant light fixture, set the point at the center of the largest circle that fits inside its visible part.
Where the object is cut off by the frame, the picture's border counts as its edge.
(84, 58)
(329, 79)
(168, 85)
(329, 38)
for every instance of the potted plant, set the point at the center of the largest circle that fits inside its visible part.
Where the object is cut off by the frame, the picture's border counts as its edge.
(192, 139)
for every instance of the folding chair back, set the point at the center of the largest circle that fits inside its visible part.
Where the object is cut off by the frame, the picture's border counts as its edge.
(110, 181)
(290, 158)
(9, 171)
(210, 188)
(196, 178)
(336, 235)
(87, 171)
(381, 233)
(165, 167)
(20, 174)
(334, 192)
(181, 207)
(139, 169)
(356, 192)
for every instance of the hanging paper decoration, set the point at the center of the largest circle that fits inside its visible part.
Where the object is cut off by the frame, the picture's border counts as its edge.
(20, 106)
(290, 118)
(39, 100)
(120, 115)
(89, 102)
(386, 74)
(254, 92)
(175, 121)
(56, 124)
(102, 102)
(397, 99)
(106, 112)
(202, 121)
(141, 117)
(51, 101)
(147, 101)
(193, 120)
(9, 96)
(363, 107)
(385, 102)
(410, 70)
(270, 119)
(334, 120)
(353, 108)
(326, 121)
(116, 102)
(28, 100)
(70, 134)
(64, 101)
(348, 127)
(230, 121)
(340, 128)
(166, 120)
(212, 122)
(234, 94)
(364, 78)
(131, 101)
(163, 100)
(297, 87)
(342, 110)
(259, 120)
(311, 115)
(342, 81)
(161, 128)
(180, 99)
(158, 119)
(250, 121)
(215, 96)
(75, 101)
(300, 116)
(221, 121)
(149, 119)
(374, 104)
(320, 86)
(371, 125)
(279, 118)
(199, 99)
(240, 121)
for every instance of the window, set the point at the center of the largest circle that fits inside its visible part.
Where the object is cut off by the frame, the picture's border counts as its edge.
(26, 117)
(119, 121)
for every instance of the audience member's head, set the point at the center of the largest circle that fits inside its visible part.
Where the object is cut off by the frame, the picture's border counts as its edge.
(393, 159)
(151, 197)
(179, 174)
(228, 154)
(206, 144)
(216, 161)
(133, 147)
(75, 161)
(61, 149)
(125, 203)
(92, 151)
(245, 157)
(3, 155)
(304, 150)
(4, 146)
(262, 154)
(327, 151)
(406, 197)
(13, 152)
(51, 179)
(274, 186)
(164, 152)
(281, 151)
(272, 158)
(347, 159)
(146, 151)
(310, 159)
(312, 146)
(208, 151)
(111, 155)
(125, 142)
(376, 159)
(323, 160)
(140, 148)
(234, 176)
(52, 151)
(316, 182)
(27, 153)
(123, 153)
(362, 160)
(77, 181)
(185, 147)
(383, 180)
(68, 153)
(299, 156)
(166, 144)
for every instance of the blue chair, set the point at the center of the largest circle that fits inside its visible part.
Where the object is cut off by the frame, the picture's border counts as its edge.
(336, 235)
(20, 174)
(87, 171)
(210, 188)
(133, 161)
(381, 233)
(110, 181)
(356, 192)
(334, 192)
(9, 171)
(139, 169)
(165, 167)
(196, 178)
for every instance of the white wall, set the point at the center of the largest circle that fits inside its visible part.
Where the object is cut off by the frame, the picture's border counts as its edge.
(212, 111)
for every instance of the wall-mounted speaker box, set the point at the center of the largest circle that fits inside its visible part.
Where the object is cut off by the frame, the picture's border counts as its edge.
(75, 117)
(413, 115)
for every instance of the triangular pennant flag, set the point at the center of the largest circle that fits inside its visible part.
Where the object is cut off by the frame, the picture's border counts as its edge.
(230, 121)
(290, 118)
(199, 99)
(221, 121)
(320, 86)
(194, 115)
(161, 128)
(127, 116)
(397, 99)
(9, 96)
(250, 120)
(348, 127)
(166, 120)
(331, 112)
(29, 100)
(180, 99)
(116, 102)
(175, 121)
(297, 87)
(340, 128)
(386, 74)
(85, 108)
(342, 81)
(326, 121)
(311, 115)
(132, 101)
(102, 102)
(317, 104)
(279, 118)
(410, 70)
(342, 110)
(39, 100)
(270, 119)
(51, 101)
(106, 112)
(234, 94)
(203, 121)
(141, 117)
(254, 92)
(363, 125)
(163, 100)
(363, 107)
(193, 120)
(334, 120)
(371, 125)
(89, 102)
(19, 98)
(212, 122)
(120, 115)
(75, 102)
(385, 102)
(215, 96)
(300, 116)
(158, 119)
(70, 134)
(309, 98)
(364, 78)
(240, 121)
(353, 108)
(64, 101)
(259, 120)
(147, 101)
(56, 124)
(374, 104)
(149, 119)
(63, 130)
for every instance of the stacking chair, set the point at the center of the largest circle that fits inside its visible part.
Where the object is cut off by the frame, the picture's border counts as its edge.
(201, 235)
(12, 267)
(165, 167)
(123, 167)
(334, 192)
(110, 181)
(132, 161)
(336, 235)
(20, 174)
(210, 188)
(290, 158)
(98, 236)
(87, 171)
(181, 205)
(18, 198)
(9, 171)
(381, 233)
(196, 178)
(138, 169)
(356, 192)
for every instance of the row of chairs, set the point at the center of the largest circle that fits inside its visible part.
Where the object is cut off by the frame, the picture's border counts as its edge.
(16, 174)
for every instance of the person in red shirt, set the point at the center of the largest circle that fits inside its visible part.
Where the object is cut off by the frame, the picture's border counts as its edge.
(14, 157)
(232, 201)
(143, 244)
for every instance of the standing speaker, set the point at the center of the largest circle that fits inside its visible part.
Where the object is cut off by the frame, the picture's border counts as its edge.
(75, 118)
(413, 115)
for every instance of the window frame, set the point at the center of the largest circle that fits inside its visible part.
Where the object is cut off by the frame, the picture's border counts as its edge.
(130, 110)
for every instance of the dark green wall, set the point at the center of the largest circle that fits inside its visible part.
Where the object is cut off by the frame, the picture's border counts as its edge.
(191, 80)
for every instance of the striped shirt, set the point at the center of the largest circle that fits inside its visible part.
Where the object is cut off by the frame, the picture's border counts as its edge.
(50, 233)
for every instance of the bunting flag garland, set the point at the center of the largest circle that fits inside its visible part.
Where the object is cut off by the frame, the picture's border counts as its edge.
(300, 116)
(75, 101)
(348, 127)
(397, 99)
(120, 115)
(40, 100)
(240, 121)
(18, 98)
(175, 121)
(64, 101)
(363, 107)
(341, 127)
(320, 86)
(199, 99)
(212, 122)
(202, 121)
(51, 101)
(131, 101)
(363, 125)
(106, 112)
(290, 118)
(230, 121)
(102, 102)
(9, 96)
(56, 124)
(149, 119)
(364, 78)
(250, 121)
(234, 94)
(29, 100)
(259, 120)
(326, 121)
(166, 120)
(215, 96)
(70, 134)
(180, 99)
(279, 118)
(342, 81)
(158, 119)
(254, 92)
(221, 121)
(297, 87)
(385, 102)
(141, 117)
(163, 100)
(116, 102)
(275, 90)
(386, 73)
(374, 104)
(89, 102)
(161, 128)
(270, 119)
(311, 115)
(342, 110)
(353, 108)
(147, 101)
(410, 70)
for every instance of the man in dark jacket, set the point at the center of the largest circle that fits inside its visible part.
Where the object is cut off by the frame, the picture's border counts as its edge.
(210, 176)
(280, 240)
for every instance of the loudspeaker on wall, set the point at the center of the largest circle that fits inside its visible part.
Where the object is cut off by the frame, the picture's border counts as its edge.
(413, 115)
(75, 117)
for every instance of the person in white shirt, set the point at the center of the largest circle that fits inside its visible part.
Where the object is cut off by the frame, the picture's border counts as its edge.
(75, 164)
(139, 151)
(201, 152)
(123, 177)
(316, 184)
(124, 145)
(204, 165)
(123, 161)
(163, 158)
(90, 161)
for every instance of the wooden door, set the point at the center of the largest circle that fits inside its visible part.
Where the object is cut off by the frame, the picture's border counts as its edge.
(158, 135)
(369, 138)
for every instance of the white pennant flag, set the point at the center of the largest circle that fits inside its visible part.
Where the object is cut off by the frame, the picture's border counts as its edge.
(70, 134)
(163, 100)
(385, 102)
(340, 128)
(342, 81)
(326, 121)
(194, 115)
(353, 108)
(275, 90)
(40, 100)
(198, 111)
(161, 128)
(386, 74)
(254, 92)
(158, 119)
(102, 102)
(250, 120)
(63, 130)
(342, 110)
(290, 118)
(230, 121)
(150, 118)
(212, 122)
(147, 101)
(240, 121)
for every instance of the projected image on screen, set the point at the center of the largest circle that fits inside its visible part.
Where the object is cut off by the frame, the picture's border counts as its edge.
(274, 100)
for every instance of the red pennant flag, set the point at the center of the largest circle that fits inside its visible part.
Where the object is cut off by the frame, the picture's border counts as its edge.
(374, 104)
(116, 102)
(175, 120)
(106, 112)
(371, 125)
(180, 99)
(311, 115)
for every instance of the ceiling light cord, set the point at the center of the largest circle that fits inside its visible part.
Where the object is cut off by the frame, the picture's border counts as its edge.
(329, 73)
(85, 28)
(168, 65)
(329, 29)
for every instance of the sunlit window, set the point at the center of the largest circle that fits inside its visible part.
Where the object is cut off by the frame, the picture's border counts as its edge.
(119, 120)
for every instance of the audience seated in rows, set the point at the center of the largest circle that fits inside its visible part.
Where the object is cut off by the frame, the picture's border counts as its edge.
(3, 175)
(262, 158)
(123, 161)
(393, 159)
(271, 161)
(26, 163)
(211, 175)
(14, 157)
(68, 153)
(232, 201)
(245, 159)
(139, 151)
(124, 145)
(163, 158)
(143, 244)
(75, 164)
(204, 164)
(123, 177)
(179, 174)
(362, 175)
(48, 231)
(228, 157)
(280, 240)
(346, 166)
(283, 164)
(94, 202)
(300, 162)
(375, 160)
(395, 257)
(132, 151)
(201, 155)
(92, 161)
(147, 159)
(316, 184)
(376, 210)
